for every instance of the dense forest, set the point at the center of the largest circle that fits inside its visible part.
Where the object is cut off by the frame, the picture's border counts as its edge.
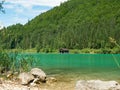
(75, 24)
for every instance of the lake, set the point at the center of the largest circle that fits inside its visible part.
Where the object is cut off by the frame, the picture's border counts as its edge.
(69, 68)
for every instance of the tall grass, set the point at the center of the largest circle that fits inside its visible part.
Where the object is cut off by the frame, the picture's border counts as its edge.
(15, 62)
(5, 62)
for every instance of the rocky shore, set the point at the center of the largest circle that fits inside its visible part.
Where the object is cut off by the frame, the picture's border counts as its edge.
(27, 81)
(36, 79)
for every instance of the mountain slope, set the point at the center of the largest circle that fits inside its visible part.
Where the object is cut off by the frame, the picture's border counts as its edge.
(75, 24)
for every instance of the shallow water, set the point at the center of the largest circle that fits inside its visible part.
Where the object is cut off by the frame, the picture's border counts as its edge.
(69, 68)
(67, 78)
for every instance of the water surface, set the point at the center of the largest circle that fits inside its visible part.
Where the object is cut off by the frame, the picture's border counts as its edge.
(69, 68)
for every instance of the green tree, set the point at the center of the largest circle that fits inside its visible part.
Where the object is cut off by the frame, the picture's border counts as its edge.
(1, 6)
(75, 24)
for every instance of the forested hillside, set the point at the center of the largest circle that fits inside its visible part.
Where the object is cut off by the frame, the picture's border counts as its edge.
(75, 24)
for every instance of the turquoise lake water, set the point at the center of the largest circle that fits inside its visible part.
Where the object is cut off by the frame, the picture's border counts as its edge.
(73, 67)
(80, 66)
(69, 68)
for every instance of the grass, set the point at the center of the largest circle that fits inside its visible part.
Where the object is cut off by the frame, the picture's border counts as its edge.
(15, 62)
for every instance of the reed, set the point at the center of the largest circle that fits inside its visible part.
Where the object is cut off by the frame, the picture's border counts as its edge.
(15, 62)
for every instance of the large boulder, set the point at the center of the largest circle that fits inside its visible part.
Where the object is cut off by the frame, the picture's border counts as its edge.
(25, 78)
(38, 73)
(97, 85)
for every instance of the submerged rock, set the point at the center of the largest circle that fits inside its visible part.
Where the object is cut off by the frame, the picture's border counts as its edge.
(25, 78)
(97, 85)
(51, 80)
(38, 73)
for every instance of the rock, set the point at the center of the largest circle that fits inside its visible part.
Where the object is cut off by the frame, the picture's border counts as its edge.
(51, 80)
(117, 88)
(38, 73)
(20, 88)
(0, 82)
(16, 73)
(81, 85)
(36, 80)
(9, 74)
(10, 85)
(34, 88)
(13, 87)
(26, 78)
(97, 85)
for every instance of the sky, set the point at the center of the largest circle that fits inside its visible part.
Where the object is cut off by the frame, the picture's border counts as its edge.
(20, 11)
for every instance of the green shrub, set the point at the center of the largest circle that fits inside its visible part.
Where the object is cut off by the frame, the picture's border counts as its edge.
(106, 51)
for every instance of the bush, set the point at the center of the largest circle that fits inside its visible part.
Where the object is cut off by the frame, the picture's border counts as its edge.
(116, 50)
(106, 51)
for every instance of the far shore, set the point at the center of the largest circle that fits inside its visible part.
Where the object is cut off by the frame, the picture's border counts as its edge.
(71, 51)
